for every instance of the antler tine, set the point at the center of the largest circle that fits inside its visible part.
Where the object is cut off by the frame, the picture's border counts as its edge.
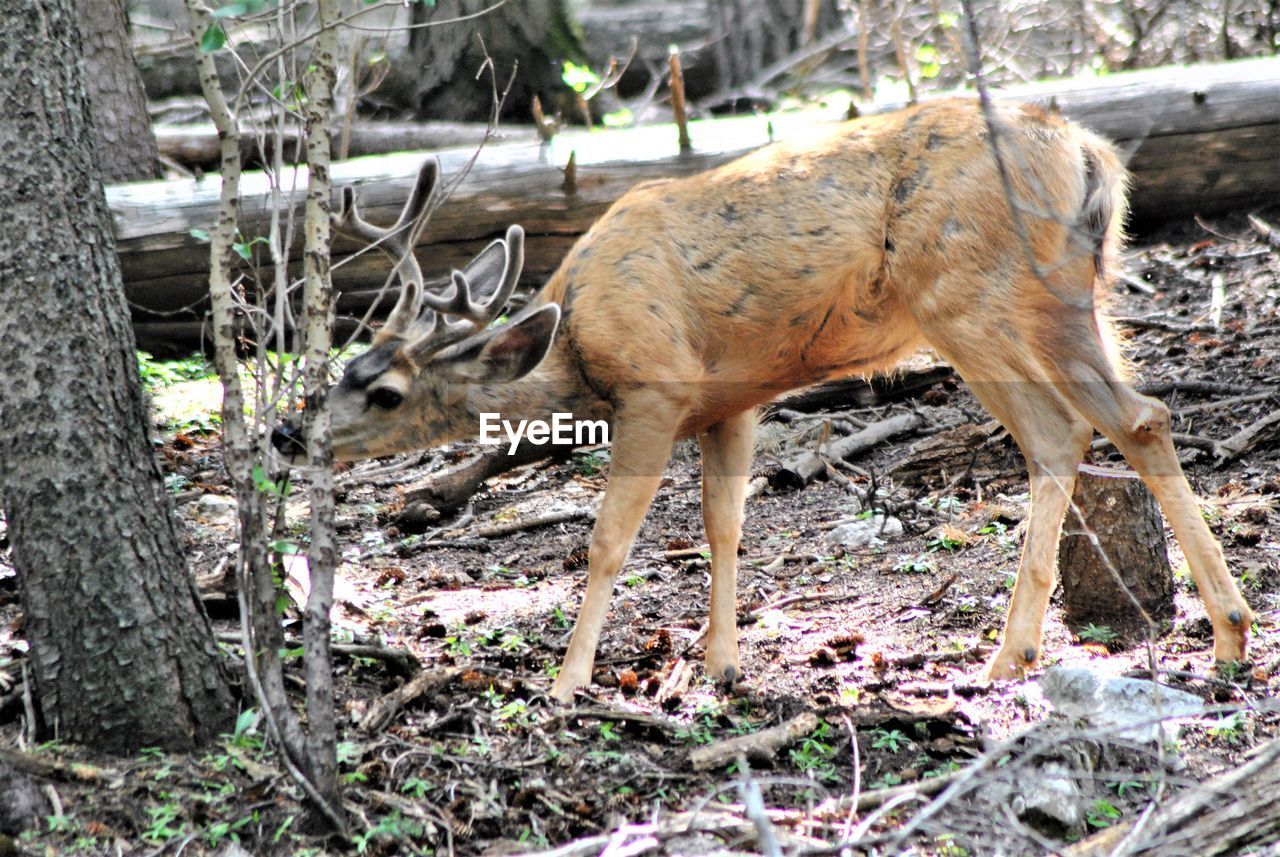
(459, 303)
(395, 242)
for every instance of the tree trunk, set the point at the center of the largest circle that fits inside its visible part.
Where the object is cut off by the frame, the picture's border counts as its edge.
(750, 35)
(451, 40)
(121, 649)
(1123, 536)
(126, 148)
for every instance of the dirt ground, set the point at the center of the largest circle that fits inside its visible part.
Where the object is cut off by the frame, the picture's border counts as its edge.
(883, 643)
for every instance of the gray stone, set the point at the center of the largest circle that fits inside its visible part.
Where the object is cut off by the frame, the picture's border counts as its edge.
(1126, 705)
(865, 533)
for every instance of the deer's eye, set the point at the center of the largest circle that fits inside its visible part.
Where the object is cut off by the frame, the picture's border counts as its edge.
(385, 398)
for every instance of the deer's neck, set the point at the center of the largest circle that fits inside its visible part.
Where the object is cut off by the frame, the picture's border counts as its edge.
(553, 388)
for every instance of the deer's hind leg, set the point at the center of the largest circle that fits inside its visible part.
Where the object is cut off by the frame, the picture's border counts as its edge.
(993, 354)
(1139, 426)
(726, 464)
(1053, 439)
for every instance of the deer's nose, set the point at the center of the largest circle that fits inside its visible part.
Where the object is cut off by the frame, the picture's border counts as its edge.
(289, 441)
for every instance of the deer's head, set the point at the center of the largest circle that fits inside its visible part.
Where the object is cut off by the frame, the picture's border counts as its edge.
(409, 390)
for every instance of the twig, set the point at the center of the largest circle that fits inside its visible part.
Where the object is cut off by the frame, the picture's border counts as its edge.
(1266, 231)
(1222, 404)
(550, 519)
(677, 98)
(389, 705)
(753, 805)
(764, 743)
(1247, 438)
(70, 772)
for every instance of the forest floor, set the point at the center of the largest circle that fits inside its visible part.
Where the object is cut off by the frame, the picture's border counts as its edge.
(873, 655)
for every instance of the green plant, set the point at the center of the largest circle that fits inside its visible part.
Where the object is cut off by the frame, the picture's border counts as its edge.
(244, 735)
(944, 543)
(1251, 577)
(590, 463)
(416, 787)
(1234, 671)
(889, 780)
(393, 827)
(609, 731)
(160, 827)
(888, 739)
(1102, 814)
(218, 831)
(1122, 787)
(915, 565)
(456, 644)
(58, 823)
(695, 733)
(157, 375)
(1229, 729)
(945, 846)
(815, 755)
(1092, 633)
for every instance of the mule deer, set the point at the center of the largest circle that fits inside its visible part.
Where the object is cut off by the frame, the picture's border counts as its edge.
(692, 301)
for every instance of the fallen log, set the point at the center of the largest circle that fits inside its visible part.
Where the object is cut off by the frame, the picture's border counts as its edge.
(801, 469)
(197, 145)
(762, 745)
(1233, 813)
(1202, 139)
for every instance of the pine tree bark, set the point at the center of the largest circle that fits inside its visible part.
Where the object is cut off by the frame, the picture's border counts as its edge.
(125, 145)
(121, 649)
(450, 42)
(1115, 568)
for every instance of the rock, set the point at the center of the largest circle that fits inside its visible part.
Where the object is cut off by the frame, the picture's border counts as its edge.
(1126, 705)
(1050, 801)
(216, 509)
(865, 533)
(21, 804)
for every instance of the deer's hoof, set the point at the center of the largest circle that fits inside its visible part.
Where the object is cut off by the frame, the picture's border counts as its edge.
(1011, 664)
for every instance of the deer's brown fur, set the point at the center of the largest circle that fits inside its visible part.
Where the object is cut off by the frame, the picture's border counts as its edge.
(692, 301)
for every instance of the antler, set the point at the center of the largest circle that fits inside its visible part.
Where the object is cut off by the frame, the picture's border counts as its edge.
(395, 241)
(478, 278)
(490, 277)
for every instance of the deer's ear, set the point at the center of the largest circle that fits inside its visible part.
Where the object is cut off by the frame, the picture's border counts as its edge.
(502, 354)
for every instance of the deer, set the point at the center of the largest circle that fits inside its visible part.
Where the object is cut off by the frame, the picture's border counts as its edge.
(987, 233)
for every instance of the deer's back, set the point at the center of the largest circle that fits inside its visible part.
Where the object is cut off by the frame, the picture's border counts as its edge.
(807, 260)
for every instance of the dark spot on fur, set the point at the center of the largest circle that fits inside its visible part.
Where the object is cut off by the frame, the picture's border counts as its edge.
(888, 244)
(817, 333)
(804, 272)
(1029, 655)
(797, 320)
(821, 230)
(935, 140)
(729, 214)
(741, 301)
(566, 304)
(709, 263)
(655, 310)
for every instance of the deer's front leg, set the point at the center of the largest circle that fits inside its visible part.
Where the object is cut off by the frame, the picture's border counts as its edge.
(642, 438)
(726, 464)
